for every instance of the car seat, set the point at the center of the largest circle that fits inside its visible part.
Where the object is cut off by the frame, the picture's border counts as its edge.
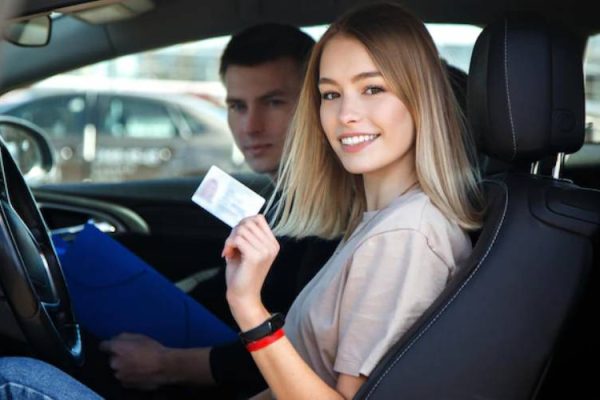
(492, 332)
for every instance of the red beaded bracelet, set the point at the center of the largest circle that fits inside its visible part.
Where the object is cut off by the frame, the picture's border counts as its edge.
(267, 340)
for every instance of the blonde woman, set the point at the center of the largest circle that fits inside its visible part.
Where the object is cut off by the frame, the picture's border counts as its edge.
(376, 155)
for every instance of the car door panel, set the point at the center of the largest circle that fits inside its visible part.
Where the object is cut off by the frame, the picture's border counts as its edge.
(180, 238)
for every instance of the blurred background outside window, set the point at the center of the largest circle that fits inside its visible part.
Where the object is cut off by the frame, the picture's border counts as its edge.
(161, 113)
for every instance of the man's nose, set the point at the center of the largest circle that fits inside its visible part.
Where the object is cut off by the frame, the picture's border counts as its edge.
(253, 122)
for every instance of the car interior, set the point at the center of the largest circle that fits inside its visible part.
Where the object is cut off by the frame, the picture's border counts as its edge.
(516, 323)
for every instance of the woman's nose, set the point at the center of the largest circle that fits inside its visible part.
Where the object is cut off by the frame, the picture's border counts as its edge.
(349, 111)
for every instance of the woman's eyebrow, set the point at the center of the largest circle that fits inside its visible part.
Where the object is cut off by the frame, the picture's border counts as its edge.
(324, 80)
(365, 75)
(355, 78)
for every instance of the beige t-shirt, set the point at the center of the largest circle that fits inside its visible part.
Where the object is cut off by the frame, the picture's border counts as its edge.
(375, 286)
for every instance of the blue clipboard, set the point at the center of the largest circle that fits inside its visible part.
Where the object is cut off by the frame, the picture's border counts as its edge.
(114, 291)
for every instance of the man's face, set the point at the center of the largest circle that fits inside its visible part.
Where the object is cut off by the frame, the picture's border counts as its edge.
(260, 103)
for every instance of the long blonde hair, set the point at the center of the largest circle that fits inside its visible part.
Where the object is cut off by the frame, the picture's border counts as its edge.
(318, 196)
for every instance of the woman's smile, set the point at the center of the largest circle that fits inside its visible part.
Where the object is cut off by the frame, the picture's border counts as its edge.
(355, 142)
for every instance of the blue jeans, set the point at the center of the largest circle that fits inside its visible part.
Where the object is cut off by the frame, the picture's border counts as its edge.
(29, 379)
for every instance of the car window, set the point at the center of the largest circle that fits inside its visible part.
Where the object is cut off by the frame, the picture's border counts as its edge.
(582, 166)
(454, 41)
(59, 116)
(193, 125)
(130, 117)
(172, 94)
(592, 90)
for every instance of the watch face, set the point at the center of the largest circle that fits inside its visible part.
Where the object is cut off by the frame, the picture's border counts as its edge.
(275, 322)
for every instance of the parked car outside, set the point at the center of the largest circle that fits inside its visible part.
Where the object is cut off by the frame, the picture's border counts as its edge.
(120, 135)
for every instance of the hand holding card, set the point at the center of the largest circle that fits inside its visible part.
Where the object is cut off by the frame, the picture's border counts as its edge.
(226, 198)
(251, 246)
(249, 252)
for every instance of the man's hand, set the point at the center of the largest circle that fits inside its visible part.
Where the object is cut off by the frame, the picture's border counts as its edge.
(137, 360)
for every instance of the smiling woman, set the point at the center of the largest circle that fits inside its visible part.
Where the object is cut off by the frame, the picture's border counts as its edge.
(376, 154)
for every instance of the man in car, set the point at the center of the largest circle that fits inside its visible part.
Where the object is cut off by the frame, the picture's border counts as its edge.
(262, 68)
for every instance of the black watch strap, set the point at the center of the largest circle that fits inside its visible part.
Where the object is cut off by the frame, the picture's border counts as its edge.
(271, 325)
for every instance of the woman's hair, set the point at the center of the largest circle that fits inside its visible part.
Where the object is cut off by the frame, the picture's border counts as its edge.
(318, 196)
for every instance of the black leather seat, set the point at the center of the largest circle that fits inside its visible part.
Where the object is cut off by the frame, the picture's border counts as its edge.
(492, 333)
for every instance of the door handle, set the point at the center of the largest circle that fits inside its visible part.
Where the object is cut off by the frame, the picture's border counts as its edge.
(89, 143)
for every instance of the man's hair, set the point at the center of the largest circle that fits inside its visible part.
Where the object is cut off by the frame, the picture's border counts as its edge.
(262, 43)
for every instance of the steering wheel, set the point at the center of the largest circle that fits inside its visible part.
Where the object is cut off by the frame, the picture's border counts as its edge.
(31, 278)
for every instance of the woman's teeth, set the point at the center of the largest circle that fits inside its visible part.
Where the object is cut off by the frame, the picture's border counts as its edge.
(353, 140)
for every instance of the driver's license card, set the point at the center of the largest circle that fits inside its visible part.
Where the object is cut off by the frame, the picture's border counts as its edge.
(226, 198)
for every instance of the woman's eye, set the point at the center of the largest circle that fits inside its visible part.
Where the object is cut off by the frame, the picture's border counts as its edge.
(371, 90)
(329, 95)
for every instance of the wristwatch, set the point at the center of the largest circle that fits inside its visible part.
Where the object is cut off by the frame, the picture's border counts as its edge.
(265, 329)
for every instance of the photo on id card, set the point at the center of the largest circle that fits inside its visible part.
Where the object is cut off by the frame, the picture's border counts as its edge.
(226, 198)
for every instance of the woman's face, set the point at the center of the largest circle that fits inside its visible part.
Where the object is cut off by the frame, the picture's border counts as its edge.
(368, 126)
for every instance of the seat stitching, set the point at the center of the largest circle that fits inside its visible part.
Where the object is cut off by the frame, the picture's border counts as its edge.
(510, 116)
(450, 300)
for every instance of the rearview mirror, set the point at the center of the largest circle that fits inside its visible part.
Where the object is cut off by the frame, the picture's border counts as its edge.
(31, 32)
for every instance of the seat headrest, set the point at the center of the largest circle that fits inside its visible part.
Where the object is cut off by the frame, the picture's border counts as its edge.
(525, 93)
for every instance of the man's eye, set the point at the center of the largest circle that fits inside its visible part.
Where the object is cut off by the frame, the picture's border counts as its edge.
(329, 95)
(371, 90)
(235, 107)
(276, 102)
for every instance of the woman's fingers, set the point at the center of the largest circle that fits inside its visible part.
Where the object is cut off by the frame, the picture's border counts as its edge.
(237, 244)
(229, 248)
(257, 234)
(249, 231)
(255, 249)
(252, 225)
(266, 229)
(243, 245)
(260, 228)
